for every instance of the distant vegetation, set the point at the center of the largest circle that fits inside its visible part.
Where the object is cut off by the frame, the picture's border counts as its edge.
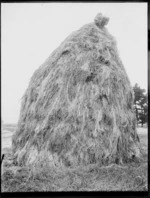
(9, 127)
(140, 104)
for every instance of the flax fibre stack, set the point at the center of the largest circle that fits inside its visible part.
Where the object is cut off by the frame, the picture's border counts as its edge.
(78, 107)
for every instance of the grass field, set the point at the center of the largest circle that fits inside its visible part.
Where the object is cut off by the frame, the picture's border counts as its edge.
(131, 177)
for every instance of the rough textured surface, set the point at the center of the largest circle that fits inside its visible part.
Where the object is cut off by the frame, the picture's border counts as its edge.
(78, 107)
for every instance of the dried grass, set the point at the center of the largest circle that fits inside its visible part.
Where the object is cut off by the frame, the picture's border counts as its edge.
(78, 107)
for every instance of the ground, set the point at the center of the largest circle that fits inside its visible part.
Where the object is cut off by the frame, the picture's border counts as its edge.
(131, 177)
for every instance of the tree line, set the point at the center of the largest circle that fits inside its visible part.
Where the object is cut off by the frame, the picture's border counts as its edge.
(140, 104)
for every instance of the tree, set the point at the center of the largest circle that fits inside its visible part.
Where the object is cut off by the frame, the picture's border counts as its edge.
(140, 104)
(144, 110)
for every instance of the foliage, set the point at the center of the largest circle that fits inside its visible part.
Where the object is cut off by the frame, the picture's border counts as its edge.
(141, 104)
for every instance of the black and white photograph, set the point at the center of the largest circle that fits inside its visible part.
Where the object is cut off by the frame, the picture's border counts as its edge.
(74, 97)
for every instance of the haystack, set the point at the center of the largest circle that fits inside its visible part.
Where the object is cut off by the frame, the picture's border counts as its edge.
(78, 107)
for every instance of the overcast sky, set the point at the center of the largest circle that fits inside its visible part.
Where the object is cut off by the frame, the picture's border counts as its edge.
(31, 31)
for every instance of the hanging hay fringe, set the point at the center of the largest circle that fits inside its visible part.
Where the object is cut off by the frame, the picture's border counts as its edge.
(78, 107)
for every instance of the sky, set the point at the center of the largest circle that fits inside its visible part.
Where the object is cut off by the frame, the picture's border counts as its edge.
(30, 32)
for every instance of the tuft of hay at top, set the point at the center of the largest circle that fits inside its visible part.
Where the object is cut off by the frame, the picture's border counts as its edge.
(78, 107)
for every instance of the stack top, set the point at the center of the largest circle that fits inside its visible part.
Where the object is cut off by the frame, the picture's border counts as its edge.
(101, 20)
